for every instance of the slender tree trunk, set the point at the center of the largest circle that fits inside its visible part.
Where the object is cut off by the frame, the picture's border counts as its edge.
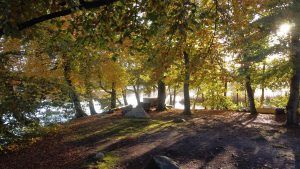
(161, 96)
(262, 97)
(174, 96)
(196, 98)
(73, 94)
(245, 98)
(225, 87)
(124, 97)
(89, 95)
(170, 95)
(203, 99)
(113, 98)
(186, 84)
(92, 107)
(250, 93)
(293, 102)
(136, 90)
(119, 101)
(237, 97)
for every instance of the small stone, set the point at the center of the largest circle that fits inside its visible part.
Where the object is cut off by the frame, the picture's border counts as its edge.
(99, 156)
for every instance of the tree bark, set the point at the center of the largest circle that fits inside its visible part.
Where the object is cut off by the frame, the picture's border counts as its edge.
(73, 94)
(170, 95)
(237, 97)
(250, 93)
(136, 90)
(262, 97)
(82, 5)
(225, 87)
(293, 102)
(174, 96)
(186, 90)
(113, 96)
(196, 98)
(92, 107)
(161, 96)
(124, 97)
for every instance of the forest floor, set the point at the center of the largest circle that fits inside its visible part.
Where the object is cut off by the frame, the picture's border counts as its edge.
(207, 139)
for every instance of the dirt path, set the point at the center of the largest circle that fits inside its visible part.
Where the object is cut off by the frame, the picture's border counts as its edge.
(208, 139)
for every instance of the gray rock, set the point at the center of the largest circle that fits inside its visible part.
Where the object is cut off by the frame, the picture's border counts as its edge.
(137, 112)
(99, 156)
(178, 120)
(162, 162)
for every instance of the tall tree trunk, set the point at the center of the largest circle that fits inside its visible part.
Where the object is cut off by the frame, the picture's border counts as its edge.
(89, 95)
(186, 90)
(196, 98)
(225, 87)
(92, 107)
(293, 102)
(237, 97)
(113, 98)
(161, 96)
(124, 97)
(136, 90)
(262, 97)
(250, 93)
(174, 96)
(203, 99)
(73, 94)
(170, 95)
(245, 98)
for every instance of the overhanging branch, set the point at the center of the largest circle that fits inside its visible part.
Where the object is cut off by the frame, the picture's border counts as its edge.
(83, 5)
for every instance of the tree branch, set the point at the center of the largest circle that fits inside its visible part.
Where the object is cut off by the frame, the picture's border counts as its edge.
(83, 5)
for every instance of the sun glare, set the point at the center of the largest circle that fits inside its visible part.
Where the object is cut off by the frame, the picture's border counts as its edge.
(284, 29)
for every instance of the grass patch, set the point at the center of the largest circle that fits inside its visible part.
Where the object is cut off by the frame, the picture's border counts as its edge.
(110, 161)
(123, 128)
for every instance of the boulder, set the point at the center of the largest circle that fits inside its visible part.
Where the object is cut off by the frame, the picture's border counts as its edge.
(162, 162)
(137, 112)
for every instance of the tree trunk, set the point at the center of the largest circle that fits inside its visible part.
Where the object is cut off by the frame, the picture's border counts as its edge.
(293, 102)
(136, 90)
(124, 97)
(113, 98)
(237, 97)
(161, 96)
(92, 107)
(174, 95)
(245, 98)
(73, 94)
(170, 95)
(186, 90)
(196, 98)
(262, 97)
(250, 93)
(225, 87)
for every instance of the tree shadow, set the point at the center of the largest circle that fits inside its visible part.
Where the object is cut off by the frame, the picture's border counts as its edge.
(253, 150)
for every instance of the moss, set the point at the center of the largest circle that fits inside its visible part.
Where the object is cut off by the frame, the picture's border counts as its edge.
(109, 162)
